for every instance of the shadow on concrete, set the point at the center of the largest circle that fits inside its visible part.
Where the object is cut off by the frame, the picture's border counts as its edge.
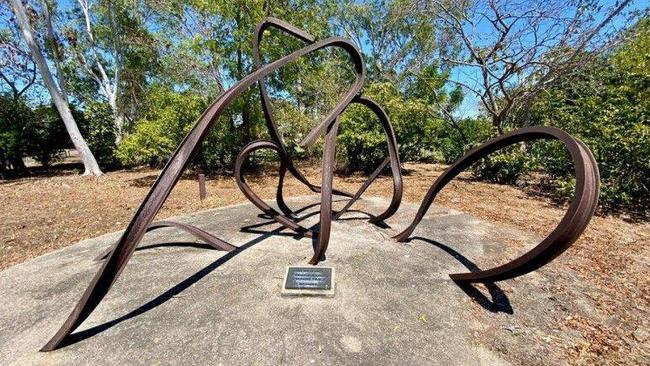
(498, 301)
(183, 285)
(181, 244)
(380, 224)
(169, 294)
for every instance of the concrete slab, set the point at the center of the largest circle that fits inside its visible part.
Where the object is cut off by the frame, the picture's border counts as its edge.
(178, 302)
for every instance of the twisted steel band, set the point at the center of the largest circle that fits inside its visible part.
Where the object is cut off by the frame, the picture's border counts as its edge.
(255, 199)
(266, 101)
(207, 238)
(393, 158)
(572, 225)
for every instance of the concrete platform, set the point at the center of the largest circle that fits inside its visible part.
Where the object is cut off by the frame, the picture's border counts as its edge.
(178, 302)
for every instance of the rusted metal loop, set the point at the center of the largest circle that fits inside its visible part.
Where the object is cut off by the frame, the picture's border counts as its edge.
(171, 173)
(393, 159)
(208, 238)
(266, 101)
(254, 198)
(573, 223)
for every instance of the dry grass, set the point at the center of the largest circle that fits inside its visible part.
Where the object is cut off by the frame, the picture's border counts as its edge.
(42, 214)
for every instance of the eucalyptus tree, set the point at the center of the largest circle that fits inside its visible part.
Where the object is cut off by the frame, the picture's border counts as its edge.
(17, 68)
(208, 46)
(108, 42)
(57, 91)
(17, 76)
(396, 42)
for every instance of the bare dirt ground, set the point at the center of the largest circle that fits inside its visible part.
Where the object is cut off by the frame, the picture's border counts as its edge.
(612, 257)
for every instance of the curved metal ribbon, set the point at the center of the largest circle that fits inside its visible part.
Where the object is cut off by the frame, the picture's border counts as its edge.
(329, 160)
(393, 159)
(208, 238)
(268, 109)
(367, 102)
(573, 223)
(254, 198)
(171, 173)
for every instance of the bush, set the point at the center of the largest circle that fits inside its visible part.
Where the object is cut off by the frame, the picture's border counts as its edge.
(154, 137)
(451, 145)
(608, 108)
(169, 118)
(100, 132)
(504, 167)
(46, 135)
(361, 138)
(421, 134)
(13, 137)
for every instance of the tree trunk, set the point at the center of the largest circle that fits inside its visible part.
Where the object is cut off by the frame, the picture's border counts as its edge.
(245, 111)
(119, 121)
(90, 164)
(497, 122)
(119, 126)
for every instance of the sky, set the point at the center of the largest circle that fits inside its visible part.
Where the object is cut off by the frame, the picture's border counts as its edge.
(470, 106)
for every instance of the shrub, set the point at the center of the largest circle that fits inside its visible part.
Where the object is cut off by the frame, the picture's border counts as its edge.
(46, 135)
(170, 116)
(452, 146)
(155, 136)
(504, 167)
(361, 138)
(13, 138)
(608, 108)
(100, 132)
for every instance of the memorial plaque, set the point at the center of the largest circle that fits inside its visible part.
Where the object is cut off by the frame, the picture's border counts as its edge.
(309, 281)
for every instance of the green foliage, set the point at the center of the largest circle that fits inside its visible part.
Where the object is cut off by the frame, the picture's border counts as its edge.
(361, 137)
(170, 116)
(45, 134)
(452, 142)
(13, 138)
(608, 108)
(100, 132)
(228, 134)
(155, 136)
(421, 133)
(504, 167)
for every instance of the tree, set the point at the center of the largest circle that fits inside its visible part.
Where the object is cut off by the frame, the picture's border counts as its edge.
(400, 47)
(92, 58)
(13, 114)
(56, 91)
(512, 50)
(108, 43)
(17, 68)
(395, 41)
(214, 42)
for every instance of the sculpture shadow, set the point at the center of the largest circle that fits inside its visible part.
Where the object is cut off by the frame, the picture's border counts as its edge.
(380, 224)
(254, 228)
(170, 293)
(498, 301)
(179, 244)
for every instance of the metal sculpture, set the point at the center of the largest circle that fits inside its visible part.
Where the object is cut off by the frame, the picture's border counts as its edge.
(572, 225)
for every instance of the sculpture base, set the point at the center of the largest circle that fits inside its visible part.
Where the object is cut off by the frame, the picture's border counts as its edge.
(180, 302)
